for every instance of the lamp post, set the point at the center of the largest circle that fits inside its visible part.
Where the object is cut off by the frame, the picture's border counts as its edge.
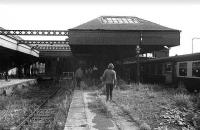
(193, 42)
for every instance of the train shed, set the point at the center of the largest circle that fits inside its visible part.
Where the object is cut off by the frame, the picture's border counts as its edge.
(113, 38)
(117, 37)
(97, 42)
(58, 59)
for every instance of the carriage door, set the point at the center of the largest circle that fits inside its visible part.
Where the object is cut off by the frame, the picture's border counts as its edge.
(168, 73)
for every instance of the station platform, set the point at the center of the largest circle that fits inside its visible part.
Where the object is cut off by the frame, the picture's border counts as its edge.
(88, 112)
(8, 86)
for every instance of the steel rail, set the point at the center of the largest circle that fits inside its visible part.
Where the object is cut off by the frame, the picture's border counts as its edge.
(38, 108)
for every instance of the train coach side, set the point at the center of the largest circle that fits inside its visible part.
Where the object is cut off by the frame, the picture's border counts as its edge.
(175, 70)
(158, 71)
(188, 74)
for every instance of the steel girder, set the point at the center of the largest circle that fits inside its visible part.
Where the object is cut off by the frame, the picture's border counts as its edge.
(41, 45)
(38, 42)
(47, 45)
(35, 32)
(52, 48)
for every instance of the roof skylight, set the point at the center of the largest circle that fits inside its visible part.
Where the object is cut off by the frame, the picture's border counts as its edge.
(119, 20)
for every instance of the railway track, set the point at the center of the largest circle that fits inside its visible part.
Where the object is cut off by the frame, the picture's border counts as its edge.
(41, 114)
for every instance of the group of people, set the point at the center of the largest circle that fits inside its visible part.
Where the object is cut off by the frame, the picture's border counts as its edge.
(86, 74)
(108, 78)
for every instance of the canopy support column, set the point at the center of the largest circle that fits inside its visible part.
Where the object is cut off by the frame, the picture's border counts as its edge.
(138, 48)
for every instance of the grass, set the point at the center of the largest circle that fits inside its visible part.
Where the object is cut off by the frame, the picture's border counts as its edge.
(62, 102)
(155, 105)
(145, 126)
(160, 107)
(141, 102)
(13, 111)
(3, 102)
(14, 108)
(182, 100)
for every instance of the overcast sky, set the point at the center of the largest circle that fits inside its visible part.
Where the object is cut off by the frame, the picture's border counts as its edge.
(63, 14)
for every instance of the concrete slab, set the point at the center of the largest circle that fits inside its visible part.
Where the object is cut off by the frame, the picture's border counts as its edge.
(76, 117)
(11, 82)
(87, 113)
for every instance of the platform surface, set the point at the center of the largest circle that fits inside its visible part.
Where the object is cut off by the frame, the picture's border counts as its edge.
(12, 82)
(87, 113)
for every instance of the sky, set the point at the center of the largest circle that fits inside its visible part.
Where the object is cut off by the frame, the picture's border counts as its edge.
(64, 14)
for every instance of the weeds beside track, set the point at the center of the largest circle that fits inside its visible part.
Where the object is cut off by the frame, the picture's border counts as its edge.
(43, 106)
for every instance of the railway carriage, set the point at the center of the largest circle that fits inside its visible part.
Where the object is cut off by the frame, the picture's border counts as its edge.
(176, 70)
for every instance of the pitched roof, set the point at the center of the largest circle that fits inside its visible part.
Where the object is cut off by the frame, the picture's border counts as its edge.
(121, 23)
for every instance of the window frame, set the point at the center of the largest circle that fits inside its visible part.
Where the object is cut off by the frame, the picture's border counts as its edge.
(198, 67)
(186, 69)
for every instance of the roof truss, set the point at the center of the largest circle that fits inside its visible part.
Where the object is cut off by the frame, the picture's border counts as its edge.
(38, 42)
(41, 45)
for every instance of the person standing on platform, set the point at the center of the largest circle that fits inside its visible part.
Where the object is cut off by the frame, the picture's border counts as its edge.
(79, 76)
(94, 75)
(110, 79)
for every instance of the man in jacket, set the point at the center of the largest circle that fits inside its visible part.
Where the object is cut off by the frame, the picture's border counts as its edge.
(109, 78)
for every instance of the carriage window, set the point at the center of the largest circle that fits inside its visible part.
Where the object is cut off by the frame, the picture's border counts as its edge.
(196, 69)
(168, 67)
(183, 69)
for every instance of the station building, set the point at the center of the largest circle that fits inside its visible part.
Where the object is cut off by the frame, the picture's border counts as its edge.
(100, 41)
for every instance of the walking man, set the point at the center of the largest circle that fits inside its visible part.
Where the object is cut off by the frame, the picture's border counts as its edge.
(109, 78)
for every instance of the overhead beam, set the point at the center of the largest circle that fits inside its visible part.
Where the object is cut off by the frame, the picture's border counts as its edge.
(52, 48)
(35, 32)
(49, 42)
